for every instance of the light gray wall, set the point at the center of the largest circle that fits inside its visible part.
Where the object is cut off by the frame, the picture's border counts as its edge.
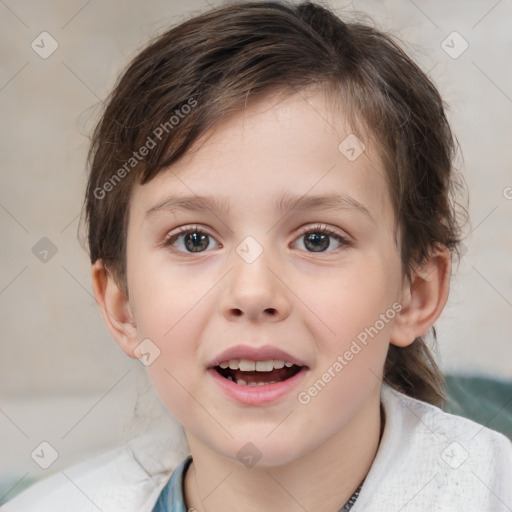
(62, 378)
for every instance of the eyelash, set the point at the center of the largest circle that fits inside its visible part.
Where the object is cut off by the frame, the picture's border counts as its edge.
(318, 228)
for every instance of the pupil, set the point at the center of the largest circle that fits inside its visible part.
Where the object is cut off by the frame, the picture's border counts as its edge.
(315, 237)
(193, 241)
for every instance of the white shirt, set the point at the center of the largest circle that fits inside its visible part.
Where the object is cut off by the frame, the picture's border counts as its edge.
(428, 460)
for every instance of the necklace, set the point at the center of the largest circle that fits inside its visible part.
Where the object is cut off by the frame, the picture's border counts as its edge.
(350, 503)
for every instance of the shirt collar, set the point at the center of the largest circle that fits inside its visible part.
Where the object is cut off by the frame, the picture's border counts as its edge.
(171, 497)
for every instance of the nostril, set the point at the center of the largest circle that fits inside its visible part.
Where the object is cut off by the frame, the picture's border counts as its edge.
(238, 312)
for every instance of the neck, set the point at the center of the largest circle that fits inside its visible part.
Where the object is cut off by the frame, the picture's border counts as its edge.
(321, 480)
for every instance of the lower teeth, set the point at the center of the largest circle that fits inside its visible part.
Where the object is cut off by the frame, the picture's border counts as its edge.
(242, 382)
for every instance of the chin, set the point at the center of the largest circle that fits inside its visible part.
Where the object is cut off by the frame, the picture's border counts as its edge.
(261, 454)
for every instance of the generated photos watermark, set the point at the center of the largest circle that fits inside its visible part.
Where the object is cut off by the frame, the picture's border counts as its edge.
(151, 142)
(357, 345)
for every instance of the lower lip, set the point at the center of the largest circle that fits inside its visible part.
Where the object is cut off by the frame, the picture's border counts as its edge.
(257, 395)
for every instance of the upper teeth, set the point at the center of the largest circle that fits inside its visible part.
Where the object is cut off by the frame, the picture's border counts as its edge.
(245, 365)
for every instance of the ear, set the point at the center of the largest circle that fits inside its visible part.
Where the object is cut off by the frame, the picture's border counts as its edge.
(115, 308)
(423, 299)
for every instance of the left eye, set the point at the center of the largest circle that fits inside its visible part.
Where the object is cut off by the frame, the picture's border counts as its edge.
(318, 237)
(195, 240)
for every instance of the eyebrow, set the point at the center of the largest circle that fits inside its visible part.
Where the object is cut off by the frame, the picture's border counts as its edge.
(285, 203)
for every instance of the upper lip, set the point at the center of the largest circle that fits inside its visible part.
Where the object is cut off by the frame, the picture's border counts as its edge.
(262, 353)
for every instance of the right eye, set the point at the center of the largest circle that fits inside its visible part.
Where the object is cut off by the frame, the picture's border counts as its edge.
(192, 240)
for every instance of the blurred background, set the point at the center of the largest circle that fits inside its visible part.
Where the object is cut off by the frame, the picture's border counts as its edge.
(63, 379)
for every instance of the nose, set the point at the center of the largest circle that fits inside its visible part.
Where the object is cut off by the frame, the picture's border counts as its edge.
(255, 292)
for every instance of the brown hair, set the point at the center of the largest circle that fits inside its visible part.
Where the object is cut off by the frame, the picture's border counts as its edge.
(191, 76)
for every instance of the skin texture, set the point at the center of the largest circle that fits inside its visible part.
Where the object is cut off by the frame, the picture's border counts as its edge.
(311, 304)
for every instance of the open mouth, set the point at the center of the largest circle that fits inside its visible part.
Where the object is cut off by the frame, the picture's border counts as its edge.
(257, 373)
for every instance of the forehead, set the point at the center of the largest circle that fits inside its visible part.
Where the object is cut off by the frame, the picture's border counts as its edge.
(281, 146)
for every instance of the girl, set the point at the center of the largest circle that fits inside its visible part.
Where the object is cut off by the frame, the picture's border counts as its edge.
(271, 229)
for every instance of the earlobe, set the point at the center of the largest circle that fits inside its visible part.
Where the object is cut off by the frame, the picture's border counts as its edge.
(115, 308)
(423, 299)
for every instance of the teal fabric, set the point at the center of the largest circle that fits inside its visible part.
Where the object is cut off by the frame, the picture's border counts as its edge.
(171, 496)
(487, 401)
(484, 400)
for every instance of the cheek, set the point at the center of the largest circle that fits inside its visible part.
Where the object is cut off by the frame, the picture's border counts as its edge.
(166, 295)
(355, 299)
(172, 307)
(171, 318)
(170, 383)
(358, 307)
(173, 324)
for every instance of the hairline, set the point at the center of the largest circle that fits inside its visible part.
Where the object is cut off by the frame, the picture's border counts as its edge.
(335, 95)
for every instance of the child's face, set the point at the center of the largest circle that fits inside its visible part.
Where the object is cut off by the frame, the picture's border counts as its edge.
(308, 297)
